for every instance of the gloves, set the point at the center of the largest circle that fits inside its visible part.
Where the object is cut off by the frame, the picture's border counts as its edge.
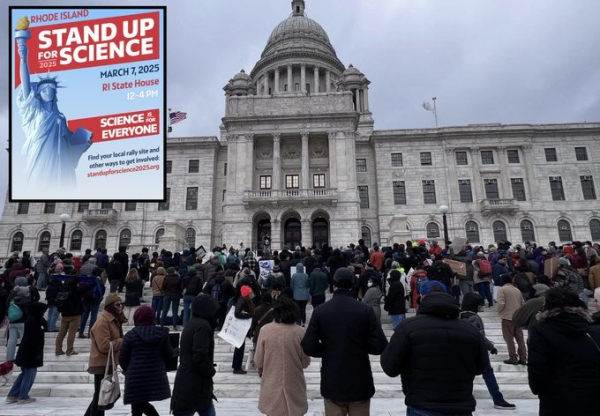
(494, 351)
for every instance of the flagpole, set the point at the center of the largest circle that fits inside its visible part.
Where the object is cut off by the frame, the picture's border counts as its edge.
(169, 128)
(435, 112)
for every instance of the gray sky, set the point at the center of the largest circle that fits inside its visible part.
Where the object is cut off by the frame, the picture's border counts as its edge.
(508, 61)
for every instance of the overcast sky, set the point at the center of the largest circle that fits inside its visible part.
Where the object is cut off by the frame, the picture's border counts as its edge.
(502, 61)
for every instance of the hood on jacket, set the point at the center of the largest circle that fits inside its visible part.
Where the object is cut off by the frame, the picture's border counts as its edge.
(150, 334)
(299, 268)
(36, 310)
(439, 304)
(572, 322)
(205, 306)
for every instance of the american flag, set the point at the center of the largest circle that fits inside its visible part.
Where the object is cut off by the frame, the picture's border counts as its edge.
(177, 116)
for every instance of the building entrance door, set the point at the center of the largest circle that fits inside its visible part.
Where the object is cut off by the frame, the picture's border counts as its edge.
(320, 232)
(263, 228)
(292, 233)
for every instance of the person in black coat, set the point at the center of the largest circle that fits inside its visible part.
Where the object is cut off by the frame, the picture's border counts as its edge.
(343, 332)
(145, 350)
(437, 356)
(395, 300)
(564, 357)
(30, 355)
(193, 389)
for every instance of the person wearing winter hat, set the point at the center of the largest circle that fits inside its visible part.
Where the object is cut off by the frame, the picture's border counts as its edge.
(346, 379)
(469, 309)
(106, 331)
(244, 309)
(395, 301)
(192, 286)
(22, 295)
(172, 286)
(145, 351)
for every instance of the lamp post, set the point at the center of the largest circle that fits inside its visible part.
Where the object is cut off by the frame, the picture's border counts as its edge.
(64, 218)
(444, 210)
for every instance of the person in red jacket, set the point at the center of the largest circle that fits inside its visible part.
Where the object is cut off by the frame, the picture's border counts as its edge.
(377, 258)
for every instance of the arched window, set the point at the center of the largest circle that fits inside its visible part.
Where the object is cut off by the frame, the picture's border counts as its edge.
(365, 234)
(595, 229)
(125, 237)
(190, 237)
(433, 230)
(564, 231)
(76, 237)
(159, 233)
(100, 241)
(17, 242)
(44, 241)
(472, 230)
(527, 233)
(499, 231)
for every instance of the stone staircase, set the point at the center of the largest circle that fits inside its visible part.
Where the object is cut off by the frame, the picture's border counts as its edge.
(63, 386)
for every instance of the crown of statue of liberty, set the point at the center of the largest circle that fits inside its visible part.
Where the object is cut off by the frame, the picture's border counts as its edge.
(48, 81)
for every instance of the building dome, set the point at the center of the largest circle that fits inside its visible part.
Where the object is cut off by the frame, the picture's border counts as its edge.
(240, 84)
(298, 35)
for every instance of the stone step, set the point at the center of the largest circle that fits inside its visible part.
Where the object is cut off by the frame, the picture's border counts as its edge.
(247, 389)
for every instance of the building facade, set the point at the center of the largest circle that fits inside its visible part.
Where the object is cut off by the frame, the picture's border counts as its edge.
(298, 159)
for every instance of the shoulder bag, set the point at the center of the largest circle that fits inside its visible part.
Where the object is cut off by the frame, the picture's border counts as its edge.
(110, 389)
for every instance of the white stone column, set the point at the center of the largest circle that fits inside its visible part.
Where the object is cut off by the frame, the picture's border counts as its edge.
(250, 157)
(478, 191)
(327, 80)
(276, 240)
(266, 83)
(366, 99)
(276, 161)
(316, 73)
(303, 78)
(276, 89)
(306, 229)
(528, 161)
(289, 79)
(231, 162)
(332, 141)
(505, 191)
(305, 164)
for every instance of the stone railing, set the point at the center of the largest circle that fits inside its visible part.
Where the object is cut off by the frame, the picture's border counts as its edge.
(270, 195)
(100, 215)
(288, 104)
(509, 205)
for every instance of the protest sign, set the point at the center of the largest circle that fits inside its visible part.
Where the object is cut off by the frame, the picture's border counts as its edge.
(234, 330)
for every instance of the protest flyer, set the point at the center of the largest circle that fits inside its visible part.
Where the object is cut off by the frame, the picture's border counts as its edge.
(87, 114)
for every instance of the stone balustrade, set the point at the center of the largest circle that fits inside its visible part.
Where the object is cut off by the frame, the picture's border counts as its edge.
(100, 215)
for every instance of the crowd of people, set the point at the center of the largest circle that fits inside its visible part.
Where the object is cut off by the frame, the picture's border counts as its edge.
(544, 290)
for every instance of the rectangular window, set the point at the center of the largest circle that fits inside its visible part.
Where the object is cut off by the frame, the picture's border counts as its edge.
(518, 189)
(587, 186)
(399, 190)
(464, 188)
(396, 160)
(461, 158)
(308, 88)
(292, 181)
(363, 194)
(224, 192)
(556, 188)
(49, 207)
(487, 157)
(225, 169)
(426, 159)
(491, 188)
(513, 156)
(550, 154)
(194, 166)
(82, 206)
(169, 166)
(107, 205)
(23, 208)
(130, 206)
(319, 180)
(191, 198)
(581, 154)
(164, 206)
(265, 182)
(361, 165)
(429, 192)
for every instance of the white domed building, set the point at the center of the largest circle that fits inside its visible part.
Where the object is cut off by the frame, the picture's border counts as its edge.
(298, 159)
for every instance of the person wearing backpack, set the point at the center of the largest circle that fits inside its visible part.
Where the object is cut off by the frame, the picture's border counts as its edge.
(70, 305)
(418, 278)
(221, 290)
(482, 278)
(19, 299)
(91, 303)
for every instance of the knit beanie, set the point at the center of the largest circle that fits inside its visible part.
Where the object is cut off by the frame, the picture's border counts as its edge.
(245, 291)
(427, 287)
(21, 281)
(160, 270)
(111, 298)
(144, 315)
